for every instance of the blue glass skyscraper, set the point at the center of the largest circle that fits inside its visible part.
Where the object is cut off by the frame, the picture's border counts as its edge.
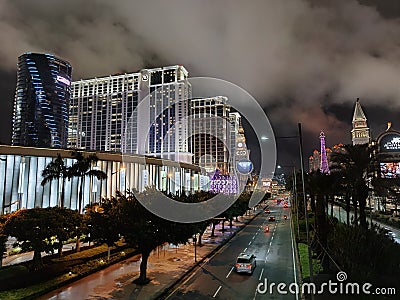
(41, 101)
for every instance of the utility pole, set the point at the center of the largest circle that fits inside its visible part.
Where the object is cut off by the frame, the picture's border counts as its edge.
(305, 206)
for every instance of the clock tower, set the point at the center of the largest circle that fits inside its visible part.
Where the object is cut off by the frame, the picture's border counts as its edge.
(360, 132)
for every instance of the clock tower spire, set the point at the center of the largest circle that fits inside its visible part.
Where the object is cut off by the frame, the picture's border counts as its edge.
(360, 132)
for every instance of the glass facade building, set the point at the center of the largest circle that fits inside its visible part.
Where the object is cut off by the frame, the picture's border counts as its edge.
(100, 111)
(41, 103)
(134, 113)
(166, 106)
(210, 133)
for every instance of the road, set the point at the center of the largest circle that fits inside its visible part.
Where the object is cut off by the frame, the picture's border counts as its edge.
(340, 213)
(275, 258)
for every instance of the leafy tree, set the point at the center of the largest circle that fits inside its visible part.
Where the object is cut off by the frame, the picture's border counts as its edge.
(198, 196)
(146, 231)
(3, 240)
(68, 225)
(371, 257)
(35, 230)
(101, 225)
(57, 169)
(238, 208)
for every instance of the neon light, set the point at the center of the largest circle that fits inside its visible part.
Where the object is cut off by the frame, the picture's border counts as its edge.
(393, 144)
(225, 184)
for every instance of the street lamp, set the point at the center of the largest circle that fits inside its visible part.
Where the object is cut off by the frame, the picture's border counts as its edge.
(195, 250)
(169, 187)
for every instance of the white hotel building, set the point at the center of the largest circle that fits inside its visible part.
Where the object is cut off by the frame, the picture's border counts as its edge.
(139, 113)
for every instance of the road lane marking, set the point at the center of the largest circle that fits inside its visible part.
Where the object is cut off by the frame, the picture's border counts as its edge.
(215, 294)
(254, 237)
(229, 272)
(262, 271)
(255, 294)
(199, 267)
(249, 243)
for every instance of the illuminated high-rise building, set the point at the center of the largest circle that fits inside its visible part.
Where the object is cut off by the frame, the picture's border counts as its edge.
(211, 137)
(163, 116)
(360, 132)
(41, 103)
(100, 109)
(143, 112)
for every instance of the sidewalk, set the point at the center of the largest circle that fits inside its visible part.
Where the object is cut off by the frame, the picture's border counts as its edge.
(26, 256)
(166, 266)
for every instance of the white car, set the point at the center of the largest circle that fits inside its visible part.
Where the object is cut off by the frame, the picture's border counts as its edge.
(245, 263)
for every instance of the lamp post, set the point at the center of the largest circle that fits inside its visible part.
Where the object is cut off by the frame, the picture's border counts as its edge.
(195, 249)
(305, 206)
(169, 183)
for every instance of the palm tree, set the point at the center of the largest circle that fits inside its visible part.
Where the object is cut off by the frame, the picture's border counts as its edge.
(321, 185)
(57, 170)
(357, 163)
(82, 168)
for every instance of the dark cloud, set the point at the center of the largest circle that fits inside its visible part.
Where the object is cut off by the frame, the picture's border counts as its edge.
(291, 55)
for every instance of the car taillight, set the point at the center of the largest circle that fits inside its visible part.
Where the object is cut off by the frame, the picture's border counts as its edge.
(248, 266)
(237, 265)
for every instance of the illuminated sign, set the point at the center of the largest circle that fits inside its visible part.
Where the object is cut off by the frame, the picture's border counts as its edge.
(63, 80)
(390, 169)
(394, 144)
(390, 143)
(241, 152)
(244, 166)
(266, 183)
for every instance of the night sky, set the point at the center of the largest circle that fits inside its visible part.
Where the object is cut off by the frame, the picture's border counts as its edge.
(304, 61)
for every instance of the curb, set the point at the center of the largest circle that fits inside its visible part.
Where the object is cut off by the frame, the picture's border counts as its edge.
(169, 287)
(297, 256)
